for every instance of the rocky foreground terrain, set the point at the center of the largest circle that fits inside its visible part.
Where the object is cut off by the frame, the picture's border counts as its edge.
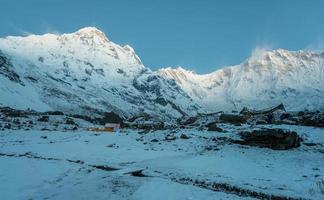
(52, 155)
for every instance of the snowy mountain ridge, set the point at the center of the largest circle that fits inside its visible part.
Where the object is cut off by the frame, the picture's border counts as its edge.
(267, 78)
(85, 72)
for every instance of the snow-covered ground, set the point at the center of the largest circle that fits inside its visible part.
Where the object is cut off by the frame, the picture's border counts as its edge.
(144, 165)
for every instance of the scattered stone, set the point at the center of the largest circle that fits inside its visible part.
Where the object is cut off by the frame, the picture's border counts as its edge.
(44, 118)
(16, 121)
(44, 137)
(301, 113)
(54, 113)
(182, 126)
(110, 145)
(277, 139)
(285, 116)
(287, 121)
(104, 167)
(154, 140)
(189, 121)
(69, 121)
(184, 136)
(310, 144)
(261, 121)
(40, 59)
(209, 148)
(75, 161)
(170, 137)
(7, 126)
(138, 173)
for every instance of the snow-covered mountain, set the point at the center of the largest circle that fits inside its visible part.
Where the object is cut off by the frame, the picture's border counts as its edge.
(267, 78)
(84, 72)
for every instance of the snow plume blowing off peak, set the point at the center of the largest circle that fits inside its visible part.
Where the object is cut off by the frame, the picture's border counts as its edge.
(85, 72)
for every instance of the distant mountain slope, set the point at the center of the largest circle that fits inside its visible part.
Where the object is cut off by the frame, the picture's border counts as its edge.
(84, 72)
(267, 78)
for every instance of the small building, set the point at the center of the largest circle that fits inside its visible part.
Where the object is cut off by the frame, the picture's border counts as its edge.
(110, 122)
(109, 127)
(113, 127)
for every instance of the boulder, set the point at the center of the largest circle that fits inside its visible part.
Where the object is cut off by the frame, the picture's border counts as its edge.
(313, 119)
(232, 119)
(184, 136)
(213, 127)
(277, 139)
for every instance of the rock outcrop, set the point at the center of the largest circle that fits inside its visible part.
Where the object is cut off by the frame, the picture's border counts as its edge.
(277, 139)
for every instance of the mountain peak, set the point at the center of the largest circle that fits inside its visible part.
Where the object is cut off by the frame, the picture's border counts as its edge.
(89, 30)
(90, 33)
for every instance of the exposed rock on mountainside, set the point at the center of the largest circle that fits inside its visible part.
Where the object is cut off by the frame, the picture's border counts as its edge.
(7, 70)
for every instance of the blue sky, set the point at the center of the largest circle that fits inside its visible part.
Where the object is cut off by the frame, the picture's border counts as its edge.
(198, 35)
